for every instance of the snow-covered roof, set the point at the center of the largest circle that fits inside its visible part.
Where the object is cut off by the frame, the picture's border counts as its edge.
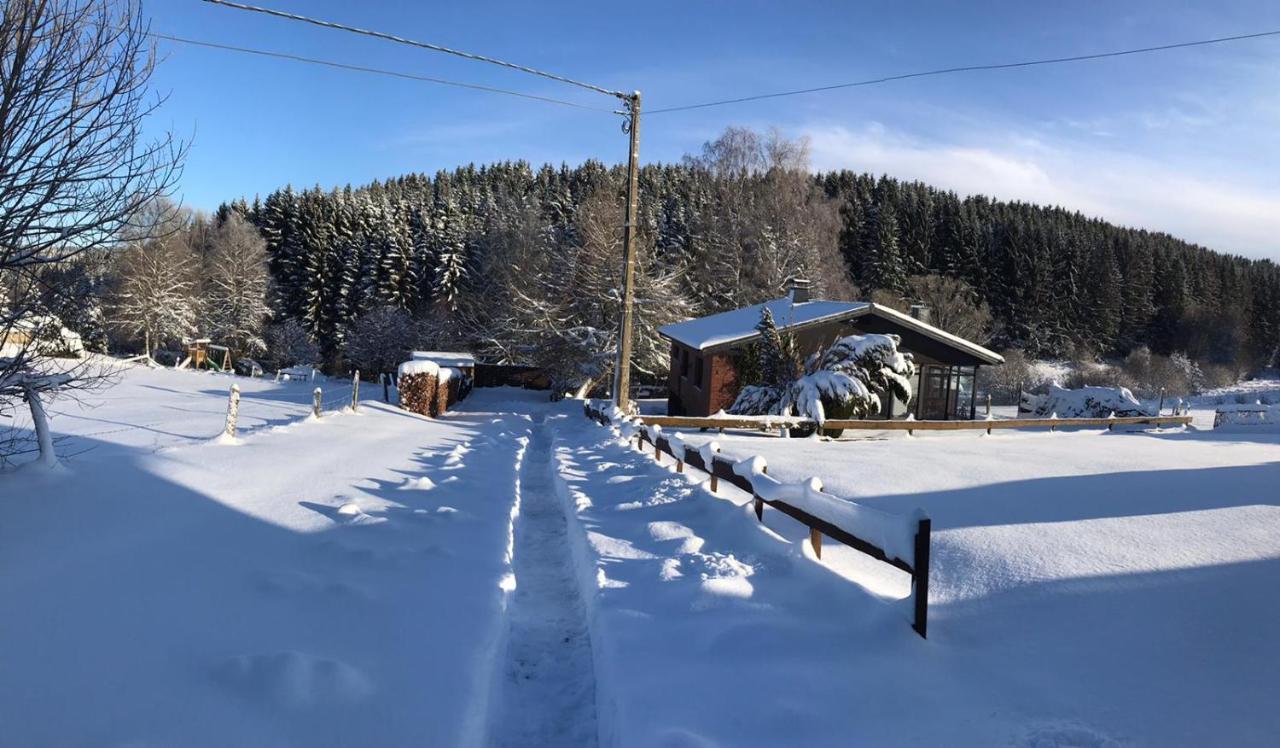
(446, 358)
(740, 324)
(937, 333)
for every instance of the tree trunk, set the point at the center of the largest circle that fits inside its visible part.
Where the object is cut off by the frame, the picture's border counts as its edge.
(40, 420)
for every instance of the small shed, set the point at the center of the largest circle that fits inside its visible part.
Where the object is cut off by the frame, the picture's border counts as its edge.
(704, 379)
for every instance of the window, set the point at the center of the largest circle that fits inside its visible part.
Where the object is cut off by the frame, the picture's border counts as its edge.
(697, 372)
(684, 363)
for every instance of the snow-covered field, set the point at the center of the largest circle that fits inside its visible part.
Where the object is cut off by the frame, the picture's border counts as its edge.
(512, 575)
(330, 582)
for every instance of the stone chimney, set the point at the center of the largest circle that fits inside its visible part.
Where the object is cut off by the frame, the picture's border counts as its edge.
(798, 290)
(920, 312)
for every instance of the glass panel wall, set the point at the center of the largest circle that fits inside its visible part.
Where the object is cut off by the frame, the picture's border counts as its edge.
(962, 379)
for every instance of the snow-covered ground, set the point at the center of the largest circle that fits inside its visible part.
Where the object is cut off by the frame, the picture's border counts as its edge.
(511, 575)
(1088, 589)
(324, 582)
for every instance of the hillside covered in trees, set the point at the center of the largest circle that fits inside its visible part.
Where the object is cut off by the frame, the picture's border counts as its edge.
(499, 257)
(522, 265)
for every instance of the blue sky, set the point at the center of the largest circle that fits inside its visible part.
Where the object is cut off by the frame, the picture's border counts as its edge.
(1182, 141)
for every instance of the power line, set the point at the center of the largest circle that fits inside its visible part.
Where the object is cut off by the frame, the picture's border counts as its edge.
(424, 45)
(377, 71)
(965, 69)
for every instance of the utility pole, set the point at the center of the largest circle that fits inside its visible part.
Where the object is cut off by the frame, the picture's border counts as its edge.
(631, 104)
(622, 367)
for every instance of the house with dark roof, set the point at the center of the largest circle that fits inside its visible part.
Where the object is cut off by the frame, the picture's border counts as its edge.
(704, 377)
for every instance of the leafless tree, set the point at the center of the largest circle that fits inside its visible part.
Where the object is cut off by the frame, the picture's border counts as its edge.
(288, 344)
(766, 222)
(381, 339)
(74, 167)
(565, 307)
(951, 304)
(157, 273)
(236, 283)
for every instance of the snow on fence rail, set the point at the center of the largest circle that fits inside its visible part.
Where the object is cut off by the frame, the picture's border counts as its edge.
(900, 541)
(774, 423)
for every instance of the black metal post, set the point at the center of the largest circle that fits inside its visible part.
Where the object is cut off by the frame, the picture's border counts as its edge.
(920, 578)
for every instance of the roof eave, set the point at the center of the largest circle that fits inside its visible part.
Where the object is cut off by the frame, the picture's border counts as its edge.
(720, 345)
(987, 355)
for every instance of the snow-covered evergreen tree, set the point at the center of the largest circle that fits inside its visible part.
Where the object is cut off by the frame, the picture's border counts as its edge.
(850, 379)
(450, 249)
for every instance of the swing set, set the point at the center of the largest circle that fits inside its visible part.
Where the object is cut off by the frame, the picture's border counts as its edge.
(203, 354)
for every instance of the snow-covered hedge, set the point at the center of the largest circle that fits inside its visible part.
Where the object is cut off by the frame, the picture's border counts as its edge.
(1086, 402)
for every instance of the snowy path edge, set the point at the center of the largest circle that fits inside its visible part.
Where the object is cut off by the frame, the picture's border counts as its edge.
(586, 562)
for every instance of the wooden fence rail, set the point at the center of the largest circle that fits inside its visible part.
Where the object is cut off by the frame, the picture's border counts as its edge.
(723, 469)
(773, 423)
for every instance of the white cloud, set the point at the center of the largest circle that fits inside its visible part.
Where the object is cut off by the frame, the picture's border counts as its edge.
(1110, 184)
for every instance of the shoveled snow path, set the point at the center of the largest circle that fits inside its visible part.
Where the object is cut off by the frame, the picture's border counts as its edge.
(547, 694)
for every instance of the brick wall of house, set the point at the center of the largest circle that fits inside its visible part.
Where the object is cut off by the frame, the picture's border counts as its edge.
(722, 386)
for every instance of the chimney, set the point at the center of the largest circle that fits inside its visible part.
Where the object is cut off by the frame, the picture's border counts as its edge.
(798, 290)
(920, 312)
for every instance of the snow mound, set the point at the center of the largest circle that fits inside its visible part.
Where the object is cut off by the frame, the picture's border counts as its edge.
(1086, 402)
(421, 483)
(295, 680)
(1248, 417)
(723, 575)
(419, 367)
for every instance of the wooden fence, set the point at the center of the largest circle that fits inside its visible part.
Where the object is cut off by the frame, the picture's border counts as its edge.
(722, 469)
(774, 423)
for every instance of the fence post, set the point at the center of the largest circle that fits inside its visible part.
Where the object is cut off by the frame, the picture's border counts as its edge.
(233, 412)
(355, 391)
(988, 408)
(316, 398)
(386, 387)
(1160, 407)
(1018, 402)
(920, 578)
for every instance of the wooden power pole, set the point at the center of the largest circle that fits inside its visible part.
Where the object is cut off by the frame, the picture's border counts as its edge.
(622, 367)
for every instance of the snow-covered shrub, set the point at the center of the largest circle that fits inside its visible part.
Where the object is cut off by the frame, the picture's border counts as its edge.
(1088, 402)
(288, 344)
(1004, 381)
(847, 380)
(380, 339)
